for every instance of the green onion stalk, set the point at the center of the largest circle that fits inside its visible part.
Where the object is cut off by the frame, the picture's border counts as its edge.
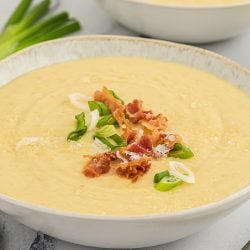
(28, 26)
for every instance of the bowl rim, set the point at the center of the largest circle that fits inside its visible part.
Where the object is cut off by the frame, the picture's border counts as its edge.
(190, 6)
(209, 208)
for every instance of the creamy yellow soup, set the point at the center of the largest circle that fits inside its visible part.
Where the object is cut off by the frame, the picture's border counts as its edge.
(211, 115)
(197, 2)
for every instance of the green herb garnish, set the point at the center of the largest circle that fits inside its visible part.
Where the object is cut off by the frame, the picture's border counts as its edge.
(116, 96)
(181, 151)
(167, 183)
(101, 107)
(159, 176)
(119, 140)
(19, 12)
(107, 120)
(114, 142)
(80, 130)
(24, 27)
(106, 131)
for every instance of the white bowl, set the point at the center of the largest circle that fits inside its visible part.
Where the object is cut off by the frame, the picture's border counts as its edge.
(188, 24)
(110, 231)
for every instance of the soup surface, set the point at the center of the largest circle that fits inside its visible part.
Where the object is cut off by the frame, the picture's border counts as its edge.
(197, 2)
(211, 115)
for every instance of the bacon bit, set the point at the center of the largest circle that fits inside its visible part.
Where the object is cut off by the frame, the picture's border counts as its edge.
(143, 146)
(148, 120)
(115, 105)
(134, 169)
(146, 142)
(129, 134)
(171, 139)
(158, 137)
(119, 116)
(99, 164)
(121, 157)
(135, 111)
(131, 137)
(134, 107)
(136, 148)
(158, 122)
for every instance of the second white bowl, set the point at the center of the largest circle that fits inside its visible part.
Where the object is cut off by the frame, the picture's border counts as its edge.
(189, 24)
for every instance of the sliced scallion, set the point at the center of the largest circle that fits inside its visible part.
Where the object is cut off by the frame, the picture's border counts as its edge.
(107, 120)
(103, 109)
(159, 176)
(167, 183)
(114, 142)
(118, 140)
(181, 171)
(116, 96)
(80, 130)
(106, 131)
(181, 151)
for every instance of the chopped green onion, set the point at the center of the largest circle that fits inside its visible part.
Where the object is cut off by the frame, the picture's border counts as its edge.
(24, 27)
(159, 176)
(116, 96)
(107, 120)
(114, 142)
(108, 143)
(103, 109)
(18, 13)
(80, 130)
(106, 131)
(118, 140)
(181, 171)
(181, 151)
(43, 27)
(36, 30)
(32, 16)
(167, 183)
(67, 28)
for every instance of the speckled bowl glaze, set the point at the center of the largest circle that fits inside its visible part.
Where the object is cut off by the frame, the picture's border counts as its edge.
(181, 23)
(114, 231)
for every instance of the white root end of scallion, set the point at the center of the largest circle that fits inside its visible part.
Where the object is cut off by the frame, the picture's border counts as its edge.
(181, 171)
(80, 101)
(94, 119)
(100, 146)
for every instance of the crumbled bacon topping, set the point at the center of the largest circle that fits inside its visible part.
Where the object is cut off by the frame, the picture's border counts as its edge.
(135, 111)
(129, 134)
(99, 164)
(171, 139)
(136, 148)
(134, 169)
(155, 122)
(143, 146)
(115, 105)
(137, 114)
(145, 134)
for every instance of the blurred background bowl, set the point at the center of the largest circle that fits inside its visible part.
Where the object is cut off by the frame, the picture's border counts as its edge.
(181, 23)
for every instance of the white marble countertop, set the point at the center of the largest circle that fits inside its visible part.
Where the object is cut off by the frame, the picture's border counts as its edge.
(231, 233)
